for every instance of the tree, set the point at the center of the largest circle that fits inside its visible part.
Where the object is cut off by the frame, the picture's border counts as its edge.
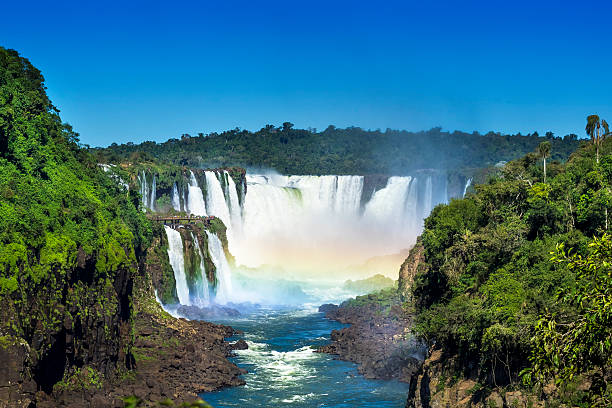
(287, 126)
(580, 340)
(544, 152)
(598, 130)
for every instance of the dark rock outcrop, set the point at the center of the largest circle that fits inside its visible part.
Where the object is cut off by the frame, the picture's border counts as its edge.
(377, 339)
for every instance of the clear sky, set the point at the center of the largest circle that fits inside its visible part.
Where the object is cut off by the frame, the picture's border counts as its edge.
(135, 71)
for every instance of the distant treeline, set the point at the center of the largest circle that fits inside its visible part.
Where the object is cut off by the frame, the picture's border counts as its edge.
(340, 151)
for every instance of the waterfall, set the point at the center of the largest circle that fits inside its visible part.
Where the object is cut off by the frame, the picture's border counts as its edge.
(177, 261)
(234, 205)
(348, 195)
(144, 190)
(202, 296)
(195, 199)
(467, 185)
(387, 207)
(217, 206)
(153, 193)
(428, 198)
(176, 200)
(224, 274)
(289, 219)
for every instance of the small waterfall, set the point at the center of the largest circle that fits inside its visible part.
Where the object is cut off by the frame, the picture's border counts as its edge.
(195, 199)
(467, 185)
(176, 199)
(427, 197)
(175, 254)
(224, 274)
(202, 295)
(153, 193)
(215, 200)
(234, 205)
(348, 194)
(144, 190)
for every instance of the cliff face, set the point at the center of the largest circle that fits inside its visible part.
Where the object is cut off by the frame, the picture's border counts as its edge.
(436, 385)
(413, 264)
(87, 329)
(114, 341)
(377, 339)
(439, 381)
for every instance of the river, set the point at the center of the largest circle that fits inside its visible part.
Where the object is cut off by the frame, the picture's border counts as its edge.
(284, 369)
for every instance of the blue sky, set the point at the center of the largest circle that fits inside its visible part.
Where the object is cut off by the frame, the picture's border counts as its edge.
(154, 70)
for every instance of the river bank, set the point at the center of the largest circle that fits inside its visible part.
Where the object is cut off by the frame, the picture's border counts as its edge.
(378, 338)
(174, 359)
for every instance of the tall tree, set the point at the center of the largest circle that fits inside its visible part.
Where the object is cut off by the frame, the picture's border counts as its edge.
(598, 130)
(544, 152)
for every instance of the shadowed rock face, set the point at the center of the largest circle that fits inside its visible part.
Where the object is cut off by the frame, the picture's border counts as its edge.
(136, 350)
(377, 340)
(413, 264)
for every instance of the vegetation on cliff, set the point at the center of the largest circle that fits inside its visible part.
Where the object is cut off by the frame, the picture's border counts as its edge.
(340, 151)
(489, 293)
(69, 238)
(78, 265)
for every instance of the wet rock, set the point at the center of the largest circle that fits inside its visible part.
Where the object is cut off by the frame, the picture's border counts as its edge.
(239, 345)
(377, 340)
(328, 307)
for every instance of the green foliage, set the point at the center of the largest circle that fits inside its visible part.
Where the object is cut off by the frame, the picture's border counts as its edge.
(577, 338)
(80, 379)
(69, 232)
(337, 151)
(489, 278)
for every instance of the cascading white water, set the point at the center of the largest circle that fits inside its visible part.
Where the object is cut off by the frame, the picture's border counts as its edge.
(234, 205)
(195, 199)
(153, 193)
(388, 204)
(176, 200)
(144, 190)
(318, 222)
(467, 185)
(177, 261)
(428, 198)
(202, 295)
(224, 273)
(216, 204)
(348, 195)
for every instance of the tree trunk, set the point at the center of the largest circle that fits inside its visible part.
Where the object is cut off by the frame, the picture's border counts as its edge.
(597, 147)
(544, 170)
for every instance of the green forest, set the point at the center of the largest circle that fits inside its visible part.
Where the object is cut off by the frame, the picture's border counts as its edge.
(70, 237)
(516, 287)
(339, 151)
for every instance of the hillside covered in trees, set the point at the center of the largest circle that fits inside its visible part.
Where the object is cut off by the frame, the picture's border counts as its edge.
(339, 151)
(77, 256)
(513, 283)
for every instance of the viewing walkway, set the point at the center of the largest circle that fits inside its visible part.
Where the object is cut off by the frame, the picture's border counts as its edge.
(176, 220)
